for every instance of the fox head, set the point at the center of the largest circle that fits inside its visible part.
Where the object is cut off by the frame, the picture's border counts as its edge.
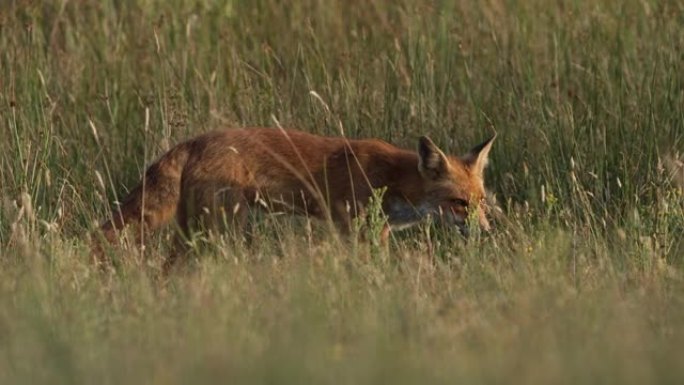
(454, 186)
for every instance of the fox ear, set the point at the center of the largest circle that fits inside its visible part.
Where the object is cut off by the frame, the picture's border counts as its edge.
(478, 157)
(432, 163)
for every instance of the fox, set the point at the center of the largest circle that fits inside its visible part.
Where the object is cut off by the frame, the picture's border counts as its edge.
(213, 180)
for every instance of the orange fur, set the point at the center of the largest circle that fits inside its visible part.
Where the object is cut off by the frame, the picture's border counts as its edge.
(215, 178)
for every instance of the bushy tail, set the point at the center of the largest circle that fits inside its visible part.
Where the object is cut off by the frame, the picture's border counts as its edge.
(153, 202)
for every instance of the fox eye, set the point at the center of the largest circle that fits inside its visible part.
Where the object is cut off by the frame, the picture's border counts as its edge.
(459, 202)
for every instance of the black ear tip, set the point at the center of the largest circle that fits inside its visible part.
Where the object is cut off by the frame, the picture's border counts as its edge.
(489, 140)
(483, 145)
(425, 142)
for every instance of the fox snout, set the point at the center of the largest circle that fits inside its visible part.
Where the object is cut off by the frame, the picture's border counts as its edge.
(464, 228)
(464, 221)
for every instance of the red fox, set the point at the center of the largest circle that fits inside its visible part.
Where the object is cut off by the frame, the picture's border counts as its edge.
(217, 177)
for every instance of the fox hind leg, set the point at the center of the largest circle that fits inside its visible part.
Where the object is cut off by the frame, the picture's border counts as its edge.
(207, 211)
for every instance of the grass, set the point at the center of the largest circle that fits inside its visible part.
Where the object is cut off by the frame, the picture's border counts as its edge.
(582, 281)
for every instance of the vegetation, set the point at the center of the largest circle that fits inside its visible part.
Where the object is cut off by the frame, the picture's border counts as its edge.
(581, 282)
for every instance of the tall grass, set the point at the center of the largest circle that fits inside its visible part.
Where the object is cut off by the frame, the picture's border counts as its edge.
(581, 282)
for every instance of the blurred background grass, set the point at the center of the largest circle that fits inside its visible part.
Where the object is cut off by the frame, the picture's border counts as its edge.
(582, 282)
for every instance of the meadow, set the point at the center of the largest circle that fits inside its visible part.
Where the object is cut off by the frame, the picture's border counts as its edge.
(581, 281)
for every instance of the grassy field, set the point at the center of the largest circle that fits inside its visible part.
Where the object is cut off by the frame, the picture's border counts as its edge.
(581, 282)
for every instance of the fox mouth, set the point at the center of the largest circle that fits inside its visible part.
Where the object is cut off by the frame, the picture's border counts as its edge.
(450, 219)
(464, 225)
(460, 223)
(464, 230)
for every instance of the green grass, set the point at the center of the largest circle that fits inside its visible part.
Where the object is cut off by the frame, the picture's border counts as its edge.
(581, 282)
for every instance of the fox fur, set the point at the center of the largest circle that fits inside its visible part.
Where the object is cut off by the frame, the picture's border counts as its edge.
(215, 179)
